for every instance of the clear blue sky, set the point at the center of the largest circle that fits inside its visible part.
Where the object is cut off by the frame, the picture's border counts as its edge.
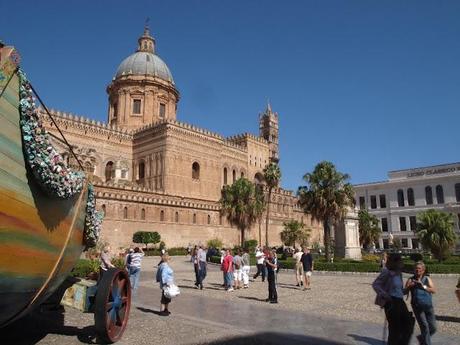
(372, 86)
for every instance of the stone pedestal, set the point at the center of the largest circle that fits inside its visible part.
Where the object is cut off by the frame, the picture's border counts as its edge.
(346, 235)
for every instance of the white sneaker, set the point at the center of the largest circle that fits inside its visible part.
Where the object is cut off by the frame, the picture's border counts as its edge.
(231, 289)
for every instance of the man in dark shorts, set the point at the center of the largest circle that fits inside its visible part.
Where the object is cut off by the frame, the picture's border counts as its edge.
(307, 263)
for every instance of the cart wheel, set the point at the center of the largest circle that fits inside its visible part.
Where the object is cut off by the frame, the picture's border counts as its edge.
(113, 301)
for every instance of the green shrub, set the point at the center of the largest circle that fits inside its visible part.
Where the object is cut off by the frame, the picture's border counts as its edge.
(83, 268)
(214, 243)
(416, 257)
(118, 263)
(434, 268)
(371, 258)
(250, 244)
(175, 251)
(146, 237)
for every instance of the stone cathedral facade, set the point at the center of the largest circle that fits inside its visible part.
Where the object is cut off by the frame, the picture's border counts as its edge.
(153, 172)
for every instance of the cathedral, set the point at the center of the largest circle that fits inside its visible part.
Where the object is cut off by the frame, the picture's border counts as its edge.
(153, 172)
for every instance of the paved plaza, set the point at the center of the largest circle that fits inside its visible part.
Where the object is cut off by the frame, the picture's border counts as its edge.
(338, 309)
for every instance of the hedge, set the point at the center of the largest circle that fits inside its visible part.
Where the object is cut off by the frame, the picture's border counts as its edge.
(171, 251)
(360, 266)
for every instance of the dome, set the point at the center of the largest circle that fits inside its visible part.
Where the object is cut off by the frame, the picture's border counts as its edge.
(144, 63)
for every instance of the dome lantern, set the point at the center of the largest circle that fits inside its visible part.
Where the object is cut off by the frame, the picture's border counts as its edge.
(146, 43)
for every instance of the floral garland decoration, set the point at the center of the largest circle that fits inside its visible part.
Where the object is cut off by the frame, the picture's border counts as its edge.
(48, 166)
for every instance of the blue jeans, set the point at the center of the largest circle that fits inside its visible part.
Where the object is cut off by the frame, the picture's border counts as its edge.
(134, 274)
(228, 280)
(426, 321)
(201, 273)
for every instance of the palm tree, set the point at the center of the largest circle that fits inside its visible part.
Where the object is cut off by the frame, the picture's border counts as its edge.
(294, 231)
(242, 203)
(272, 176)
(435, 229)
(369, 230)
(327, 197)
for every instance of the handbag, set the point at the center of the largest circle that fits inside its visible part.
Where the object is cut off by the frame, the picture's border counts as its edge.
(171, 291)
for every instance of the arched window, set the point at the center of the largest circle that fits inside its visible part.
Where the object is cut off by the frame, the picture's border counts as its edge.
(141, 170)
(428, 195)
(194, 218)
(176, 217)
(103, 209)
(410, 197)
(209, 219)
(440, 194)
(242, 174)
(89, 168)
(258, 178)
(225, 176)
(400, 198)
(196, 171)
(125, 213)
(162, 216)
(143, 214)
(234, 175)
(108, 171)
(457, 192)
(220, 219)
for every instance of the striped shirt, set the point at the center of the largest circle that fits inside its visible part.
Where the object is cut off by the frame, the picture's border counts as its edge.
(136, 259)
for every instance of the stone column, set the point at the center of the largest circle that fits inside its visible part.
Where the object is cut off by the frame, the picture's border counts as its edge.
(347, 237)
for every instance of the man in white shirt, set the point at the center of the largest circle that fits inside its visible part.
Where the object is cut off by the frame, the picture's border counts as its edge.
(298, 266)
(260, 257)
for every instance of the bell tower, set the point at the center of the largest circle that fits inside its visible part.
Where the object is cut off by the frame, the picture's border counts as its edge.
(268, 129)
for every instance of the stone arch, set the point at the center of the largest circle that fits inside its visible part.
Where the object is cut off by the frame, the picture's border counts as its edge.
(196, 170)
(109, 171)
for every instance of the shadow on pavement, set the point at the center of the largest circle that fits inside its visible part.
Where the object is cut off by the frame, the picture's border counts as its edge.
(273, 338)
(147, 310)
(367, 340)
(448, 318)
(38, 324)
(253, 298)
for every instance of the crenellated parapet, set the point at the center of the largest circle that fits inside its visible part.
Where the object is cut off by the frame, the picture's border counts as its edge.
(137, 194)
(244, 137)
(65, 120)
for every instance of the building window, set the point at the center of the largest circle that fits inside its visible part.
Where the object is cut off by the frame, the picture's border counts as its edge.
(162, 216)
(125, 213)
(109, 171)
(141, 170)
(410, 197)
(362, 203)
(124, 173)
(384, 224)
(194, 218)
(143, 214)
(115, 110)
(103, 209)
(404, 243)
(176, 217)
(220, 219)
(439, 194)
(162, 110)
(383, 201)
(225, 176)
(196, 171)
(373, 201)
(209, 219)
(415, 243)
(242, 174)
(400, 198)
(413, 223)
(385, 244)
(234, 176)
(457, 192)
(428, 195)
(402, 224)
(136, 106)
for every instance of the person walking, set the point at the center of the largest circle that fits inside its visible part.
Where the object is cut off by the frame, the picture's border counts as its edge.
(227, 269)
(237, 270)
(194, 261)
(246, 268)
(390, 293)
(201, 257)
(271, 264)
(307, 266)
(421, 288)
(135, 268)
(298, 267)
(383, 260)
(128, 259)
(261, 270)
(106, 262)
(165, 276)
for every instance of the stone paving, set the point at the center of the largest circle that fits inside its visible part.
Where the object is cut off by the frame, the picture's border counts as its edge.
(338, 309)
